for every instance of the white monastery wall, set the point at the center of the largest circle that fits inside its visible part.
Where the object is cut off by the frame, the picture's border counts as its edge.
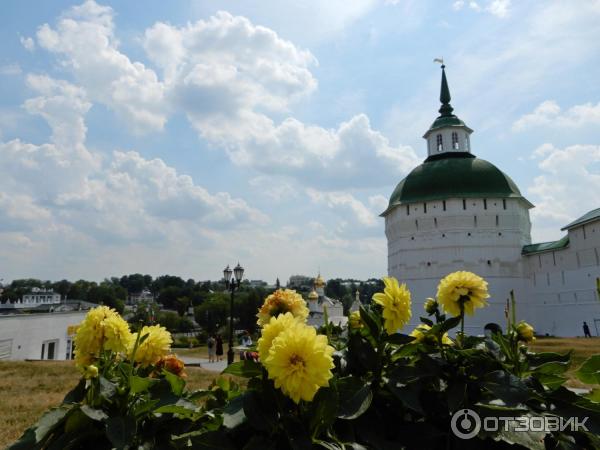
(38, 336)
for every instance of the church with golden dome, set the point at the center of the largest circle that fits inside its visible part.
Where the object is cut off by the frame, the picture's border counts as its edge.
(319, 304)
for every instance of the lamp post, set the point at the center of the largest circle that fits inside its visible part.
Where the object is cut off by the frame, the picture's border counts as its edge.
(232, 284)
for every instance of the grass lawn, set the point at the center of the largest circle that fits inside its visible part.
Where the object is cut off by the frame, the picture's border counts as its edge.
(27, 389)
(582, 349)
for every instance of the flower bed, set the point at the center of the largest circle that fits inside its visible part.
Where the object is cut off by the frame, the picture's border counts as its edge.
(367, 387)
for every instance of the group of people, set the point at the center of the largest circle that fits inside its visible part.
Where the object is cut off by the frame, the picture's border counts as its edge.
(215, 348)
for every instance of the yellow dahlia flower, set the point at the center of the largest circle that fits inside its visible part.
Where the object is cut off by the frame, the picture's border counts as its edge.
(90, 335)
(354, 321)
(525, 332)
(419, 334)
(465, 287)
(157, 344)
(280, 302)
(117, 336)
(300, 362)
(395, 300)
(272, 329)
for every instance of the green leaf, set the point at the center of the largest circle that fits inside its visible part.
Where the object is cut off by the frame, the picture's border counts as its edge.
(370, 320)
(426, 321)
(182, 409)
(361, 351)
(549, 380)
(408, 394)
(445, 326)
(323, 409)
(538, 359)
(355, 397)
(142, 407)
(120, 431)
(177, 383)
(38, 432)
(140, 384)
(261, 413)
(94, 414)
(329, 445)
(216, 440)
(245, 369)
(456, 395)
(107, 388)
(589, 372)
(399, 339)
(552, 368)
(594, 395)
(76, 394)
(233, 414)
(507, 387)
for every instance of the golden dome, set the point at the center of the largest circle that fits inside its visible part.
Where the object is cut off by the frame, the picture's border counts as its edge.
(313, 295)
(319, 281)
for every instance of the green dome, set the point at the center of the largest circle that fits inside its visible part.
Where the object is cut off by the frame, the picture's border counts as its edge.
(454, 175)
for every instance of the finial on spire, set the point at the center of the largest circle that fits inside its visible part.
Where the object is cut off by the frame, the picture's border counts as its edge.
(446, 109)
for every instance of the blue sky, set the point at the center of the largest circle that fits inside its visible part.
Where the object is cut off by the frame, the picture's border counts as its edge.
(178, 137)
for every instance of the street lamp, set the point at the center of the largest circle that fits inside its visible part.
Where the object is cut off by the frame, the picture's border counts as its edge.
(232, 284)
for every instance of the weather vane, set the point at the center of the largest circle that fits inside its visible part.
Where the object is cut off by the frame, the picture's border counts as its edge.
(439, 60)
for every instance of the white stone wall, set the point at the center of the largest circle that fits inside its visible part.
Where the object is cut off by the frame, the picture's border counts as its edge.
(485, 236)
(22, 336)
(562, 284)
(464, 144)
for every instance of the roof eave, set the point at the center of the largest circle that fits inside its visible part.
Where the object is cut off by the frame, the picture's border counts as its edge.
(431, 130)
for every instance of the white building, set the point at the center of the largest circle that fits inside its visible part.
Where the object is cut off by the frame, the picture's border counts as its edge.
(143, 296)
(459, 212)
(318, 303)
(37, 297)
(39, 336)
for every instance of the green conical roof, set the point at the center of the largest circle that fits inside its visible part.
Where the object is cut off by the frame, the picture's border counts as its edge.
(446, 118)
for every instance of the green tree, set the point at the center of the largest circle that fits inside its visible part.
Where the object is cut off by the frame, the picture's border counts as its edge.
(214, 312)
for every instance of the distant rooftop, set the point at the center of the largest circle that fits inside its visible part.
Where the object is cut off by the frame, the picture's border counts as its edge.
(546, 246)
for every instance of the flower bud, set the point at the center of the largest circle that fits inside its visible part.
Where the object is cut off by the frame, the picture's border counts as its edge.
(90, 372)
(431, 306)
(525, 332)
(354, 321)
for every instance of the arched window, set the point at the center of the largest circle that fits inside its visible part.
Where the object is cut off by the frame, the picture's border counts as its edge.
(455, 140)
(440, 145)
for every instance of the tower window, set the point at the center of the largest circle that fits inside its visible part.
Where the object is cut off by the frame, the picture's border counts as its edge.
(424, 208)
(485, 203)
(475, 221)
(497, 220)
(435, 221)
(408, 210)
(455, 140)
(439, 143)
(464, 203)
(503, 203)
(444, 204)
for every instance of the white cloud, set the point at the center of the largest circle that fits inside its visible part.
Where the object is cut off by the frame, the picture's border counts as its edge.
(84, 40)
(345, 204)
(568, 174)
(549, 113)
(231, 78)
(28, 43)
(121, 198)
(458, 5)
(10, 69)
(499, 8)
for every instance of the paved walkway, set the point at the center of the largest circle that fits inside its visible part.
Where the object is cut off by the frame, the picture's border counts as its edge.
(218, 366)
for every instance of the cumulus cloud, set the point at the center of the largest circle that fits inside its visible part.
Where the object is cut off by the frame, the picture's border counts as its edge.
(85, 42)
(124, 197)
(549, 113)
(233, 80)
(11, 69)
(498, 8)
(568, 174)
(345, 204)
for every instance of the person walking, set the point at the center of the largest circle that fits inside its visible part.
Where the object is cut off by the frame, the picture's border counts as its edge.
(586, 330)
(219, 348)
(211, 343)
